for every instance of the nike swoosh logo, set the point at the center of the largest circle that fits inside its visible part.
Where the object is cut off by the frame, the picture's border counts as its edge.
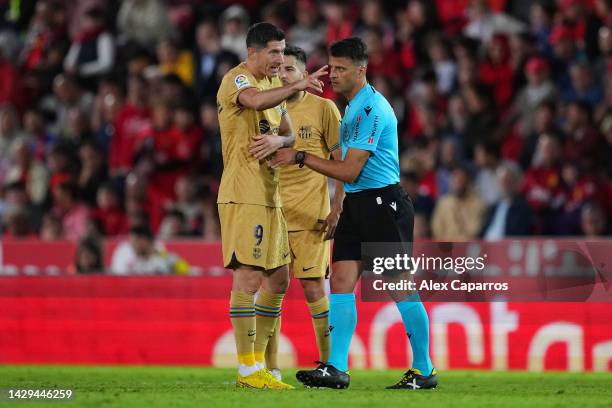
(286, 255)
(307, 269)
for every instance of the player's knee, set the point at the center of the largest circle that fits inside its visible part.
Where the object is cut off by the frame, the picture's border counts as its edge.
(278, 280)
(280, 285)
(314, 289)
(246, 281)
(341, 283)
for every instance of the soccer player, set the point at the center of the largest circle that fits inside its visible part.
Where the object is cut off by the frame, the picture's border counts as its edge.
(305, 200)
(254, 124)
(376, 209)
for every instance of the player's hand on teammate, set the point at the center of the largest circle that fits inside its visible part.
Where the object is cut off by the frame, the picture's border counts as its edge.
(331, 222)
(264, 145)
(283, 157)
(311, 82)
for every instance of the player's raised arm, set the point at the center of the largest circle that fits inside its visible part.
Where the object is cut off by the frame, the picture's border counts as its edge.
(254, 98)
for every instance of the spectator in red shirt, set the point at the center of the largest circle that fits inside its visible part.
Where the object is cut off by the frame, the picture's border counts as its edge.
(39, 36)
(581, 20)
(189, 135)
(143, 203)
(11, 89)
(132, 120)
(156, 149)
(497, 72)
(339, 25)
(171, 146)
(542, 184)
(109, 216)
(578, 190)
(62, 162)
(381, 61)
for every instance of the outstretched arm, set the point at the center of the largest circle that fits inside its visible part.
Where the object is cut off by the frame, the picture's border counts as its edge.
(253, 98)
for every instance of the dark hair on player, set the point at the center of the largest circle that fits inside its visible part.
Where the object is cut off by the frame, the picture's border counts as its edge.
(352, 48)
(260, 34)
(297, 52)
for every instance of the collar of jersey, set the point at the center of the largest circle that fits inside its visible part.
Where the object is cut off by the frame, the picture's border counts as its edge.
(359, 95)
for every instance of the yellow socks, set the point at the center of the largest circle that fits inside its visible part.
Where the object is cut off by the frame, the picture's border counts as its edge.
(267, 311)
(272, 348)
(242, 315)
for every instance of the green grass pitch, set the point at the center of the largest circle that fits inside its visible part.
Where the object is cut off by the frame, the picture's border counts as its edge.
(129, 386)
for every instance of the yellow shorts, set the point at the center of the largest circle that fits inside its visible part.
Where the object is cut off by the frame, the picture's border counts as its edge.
(310, 254)
(253, 235)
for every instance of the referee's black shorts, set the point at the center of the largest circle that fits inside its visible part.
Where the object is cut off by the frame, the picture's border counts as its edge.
(375, 215)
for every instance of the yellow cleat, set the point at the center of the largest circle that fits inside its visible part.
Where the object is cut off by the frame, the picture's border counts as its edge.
(261, 379)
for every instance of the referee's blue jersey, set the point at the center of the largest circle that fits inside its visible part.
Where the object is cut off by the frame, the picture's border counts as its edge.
(369, 123)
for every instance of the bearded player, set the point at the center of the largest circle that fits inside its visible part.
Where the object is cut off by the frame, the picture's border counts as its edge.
(306, 204)
(254, 124)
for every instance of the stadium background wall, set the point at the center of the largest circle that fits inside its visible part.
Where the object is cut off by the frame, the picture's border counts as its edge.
(183, 321)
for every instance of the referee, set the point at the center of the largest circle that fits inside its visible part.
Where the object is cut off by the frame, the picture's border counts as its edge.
(375, 209)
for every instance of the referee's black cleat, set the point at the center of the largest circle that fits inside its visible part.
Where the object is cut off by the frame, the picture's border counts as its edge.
(414, 380)
(324, 375)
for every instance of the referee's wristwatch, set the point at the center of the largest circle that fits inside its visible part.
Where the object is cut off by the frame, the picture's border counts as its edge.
(299, 158)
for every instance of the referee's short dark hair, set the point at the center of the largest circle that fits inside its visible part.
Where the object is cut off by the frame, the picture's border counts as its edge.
(260, 34)
(352, 48)
(297, 52)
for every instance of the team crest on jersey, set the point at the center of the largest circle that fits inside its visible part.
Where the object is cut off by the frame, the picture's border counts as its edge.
(256, 252)
(241, 81)
(305, 132)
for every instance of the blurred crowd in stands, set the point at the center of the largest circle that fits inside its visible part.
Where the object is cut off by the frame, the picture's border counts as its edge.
(108, 120)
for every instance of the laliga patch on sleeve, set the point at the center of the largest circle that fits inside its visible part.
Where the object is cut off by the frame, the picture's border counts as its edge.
(241, 81)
